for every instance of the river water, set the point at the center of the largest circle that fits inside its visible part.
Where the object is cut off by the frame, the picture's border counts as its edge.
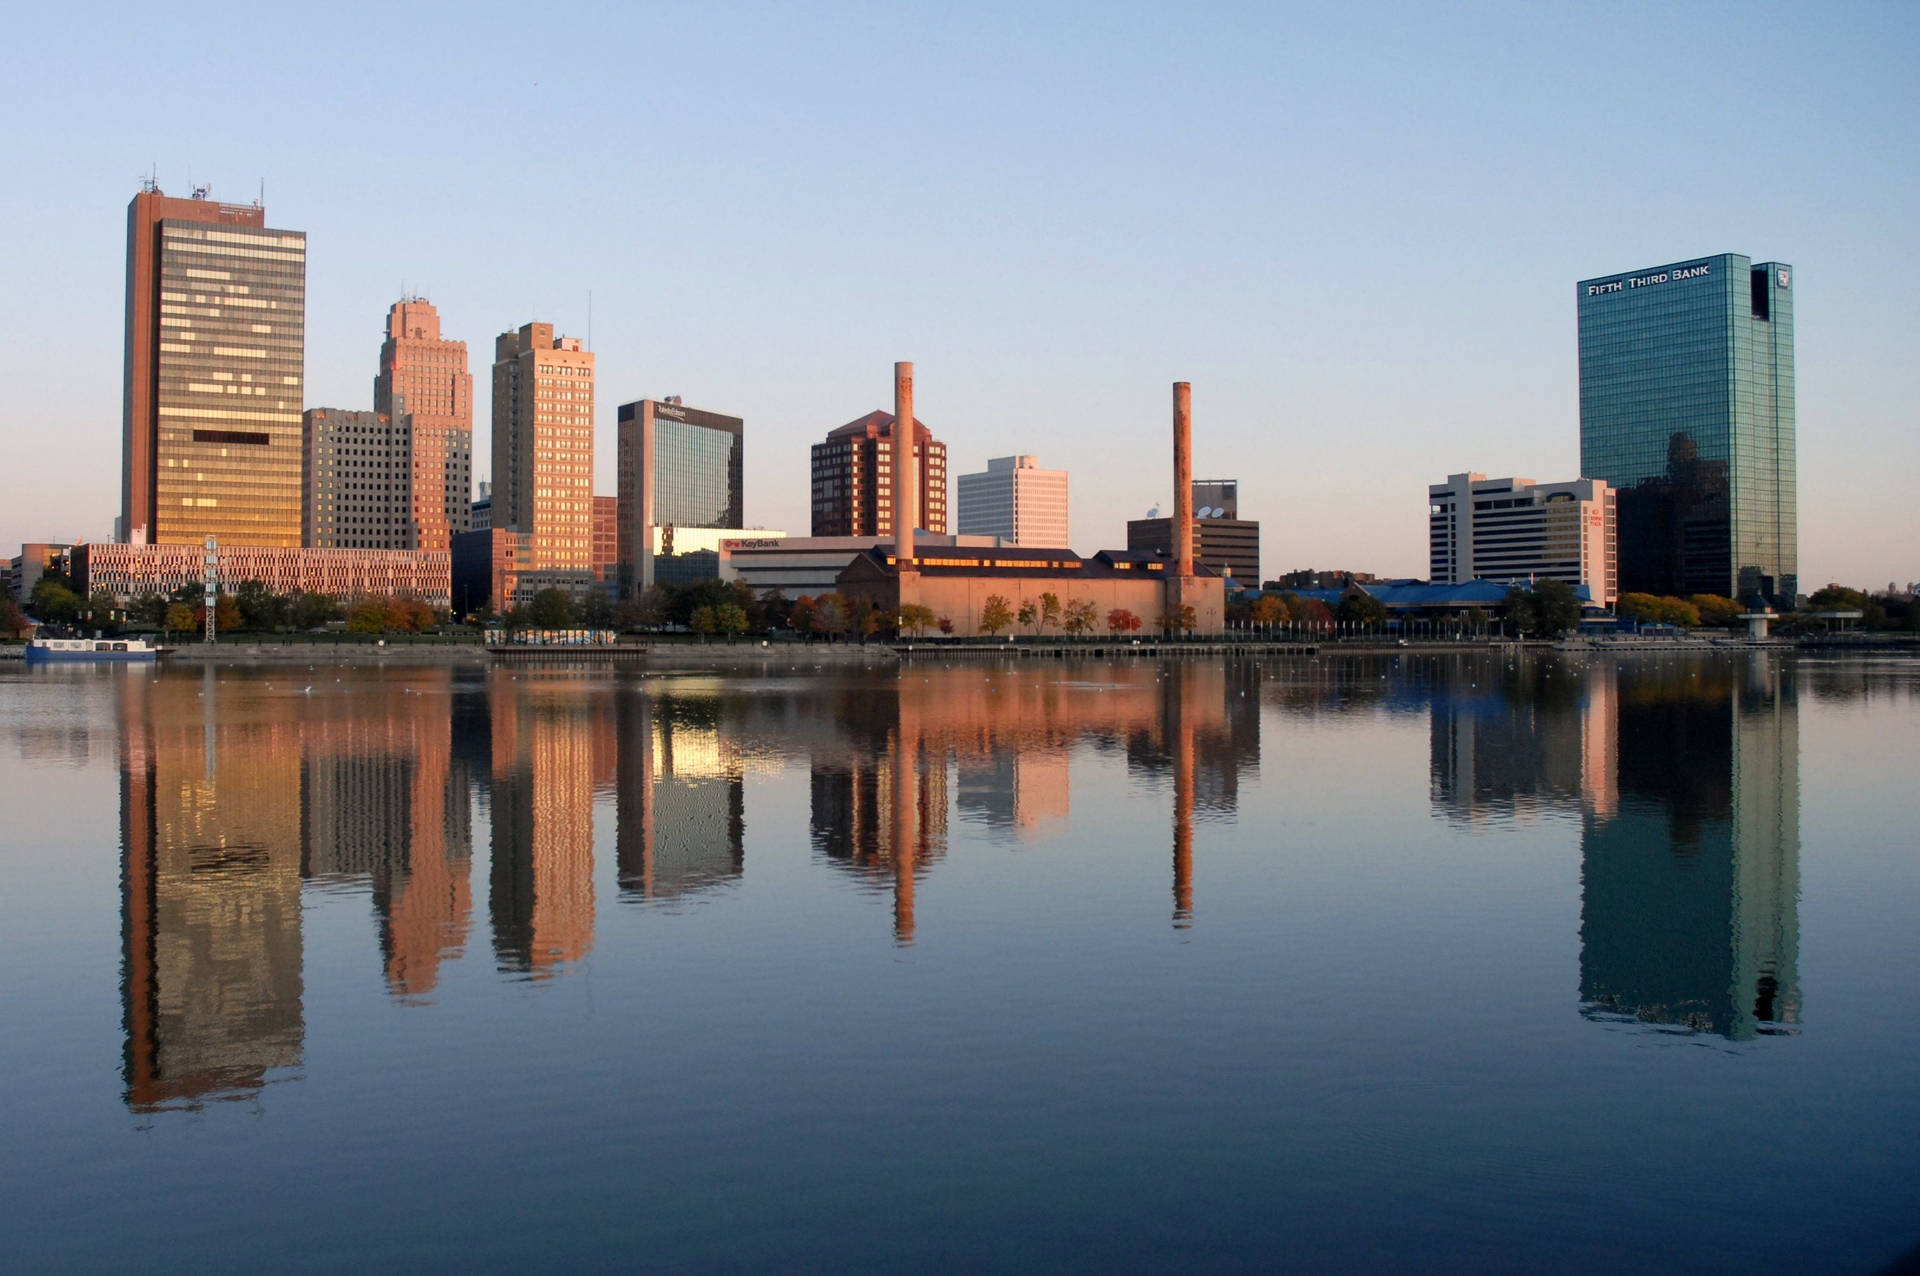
(1428, 962)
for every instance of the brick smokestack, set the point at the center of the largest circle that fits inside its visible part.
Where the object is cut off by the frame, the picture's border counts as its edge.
(906, 482)
(1182, 479)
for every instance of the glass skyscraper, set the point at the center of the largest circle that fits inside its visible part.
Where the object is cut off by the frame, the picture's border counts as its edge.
(1686, 407)
(679, 467)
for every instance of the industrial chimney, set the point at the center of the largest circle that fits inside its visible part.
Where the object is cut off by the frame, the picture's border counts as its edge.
(906, 481)
(1182, 479)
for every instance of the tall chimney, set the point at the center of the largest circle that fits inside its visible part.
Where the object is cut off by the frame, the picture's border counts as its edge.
(1182, 479)
(906, 481)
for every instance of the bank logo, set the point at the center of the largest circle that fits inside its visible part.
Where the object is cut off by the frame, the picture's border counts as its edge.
(1786, 277)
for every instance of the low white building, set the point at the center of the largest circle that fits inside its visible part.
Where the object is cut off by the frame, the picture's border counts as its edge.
(1516, 529)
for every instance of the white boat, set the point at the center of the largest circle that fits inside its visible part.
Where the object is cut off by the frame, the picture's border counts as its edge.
(43, 651)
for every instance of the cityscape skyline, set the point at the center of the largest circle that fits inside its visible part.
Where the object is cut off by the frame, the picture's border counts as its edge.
(1319, 382)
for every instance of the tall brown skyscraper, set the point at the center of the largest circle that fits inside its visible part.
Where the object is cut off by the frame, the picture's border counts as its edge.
(853, 479)
(216, 340)
(543, 446)
(424, 378)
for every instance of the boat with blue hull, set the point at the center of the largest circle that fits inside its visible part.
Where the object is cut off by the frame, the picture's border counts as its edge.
(45, 651)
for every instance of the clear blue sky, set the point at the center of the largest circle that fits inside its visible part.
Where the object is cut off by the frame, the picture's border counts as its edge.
(1356, 230)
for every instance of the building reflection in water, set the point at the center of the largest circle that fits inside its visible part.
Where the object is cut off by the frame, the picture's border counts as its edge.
(210, 840)
(1684, 775)
(236, 793)
(542, 768)
(1690, 906)
(681, 796)
(1007, 738)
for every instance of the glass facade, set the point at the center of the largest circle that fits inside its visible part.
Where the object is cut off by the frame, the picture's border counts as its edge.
(1687, 408)
(696, 475)
(232, 337)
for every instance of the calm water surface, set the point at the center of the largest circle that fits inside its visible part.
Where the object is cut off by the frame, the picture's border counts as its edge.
(1426, 962)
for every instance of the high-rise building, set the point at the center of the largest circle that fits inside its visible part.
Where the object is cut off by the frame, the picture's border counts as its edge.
(606, 543)
(1687, 410)
(1222, 540)
(358, 480)
(853, 479)
(543, 448)
(1513, 528)
(215, 350)
(1015, 499)
(680, 467)
(423, 384)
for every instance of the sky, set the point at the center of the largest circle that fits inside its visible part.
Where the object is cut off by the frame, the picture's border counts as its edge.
(1355, 230)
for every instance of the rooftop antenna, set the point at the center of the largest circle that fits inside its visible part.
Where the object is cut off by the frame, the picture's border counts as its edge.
(262, 201)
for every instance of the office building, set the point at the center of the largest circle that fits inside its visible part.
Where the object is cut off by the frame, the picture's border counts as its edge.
(1515, 529)
(1015, 500)
(128, 571)
(853, 479)
(543, 450)
(215, 346)
(1229, 546)
(424, 385)
(679, 467)
(606, 544)
(811, 565)
(36, 559)
(358, 480)
(481, 515)
(1687, 410)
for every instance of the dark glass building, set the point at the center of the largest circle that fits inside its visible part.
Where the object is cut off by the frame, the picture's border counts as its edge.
(1686, 408)
(679, 467)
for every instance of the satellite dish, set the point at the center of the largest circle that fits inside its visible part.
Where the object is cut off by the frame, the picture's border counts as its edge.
(1153, 512)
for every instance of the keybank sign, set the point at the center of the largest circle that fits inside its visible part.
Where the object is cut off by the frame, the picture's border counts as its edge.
(1649, 280)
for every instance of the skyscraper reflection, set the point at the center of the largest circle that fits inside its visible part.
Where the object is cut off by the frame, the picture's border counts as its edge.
(1690, 908)
(680, 793)
(212, 979)
(541, 800)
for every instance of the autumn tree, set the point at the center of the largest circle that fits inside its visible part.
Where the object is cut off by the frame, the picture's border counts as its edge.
(1029, 614)
(1269, 610)
(1716, 610)
(804, 618)
(178, 619)
(946, 624)
(1122, 621)
(1081, 616)
(831, 614)
(1180, 619)
(915, 617)
(995, 614)
(1050, 610)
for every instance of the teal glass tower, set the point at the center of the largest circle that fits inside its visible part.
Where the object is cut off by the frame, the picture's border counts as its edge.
(1686, 408)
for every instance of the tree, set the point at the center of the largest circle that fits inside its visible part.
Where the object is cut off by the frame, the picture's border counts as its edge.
(1178, 620)
(261, 610)
(226, 614)
(178, 618)
(1556, 607)
(1716, 610)
(832, 615)
(946, 624)
(703, 621)
(1122, 621)
(595, 611)
(551, 608)
(100, 611)
(1829, 597)
(645, 610)
(730, 619)
(995, 614)
(767, 612)
(805, 617)
(1081, 616)
(916, 617)
(1029, 614)
(149, 608)
(53, 602)
(1050, 611)
(13, 621)
(309, 610)
(1359, 608)
(1269, 610)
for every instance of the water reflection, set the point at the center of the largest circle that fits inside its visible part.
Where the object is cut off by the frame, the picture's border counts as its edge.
(1684, 776)
(1690, 910)
(239, 790)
